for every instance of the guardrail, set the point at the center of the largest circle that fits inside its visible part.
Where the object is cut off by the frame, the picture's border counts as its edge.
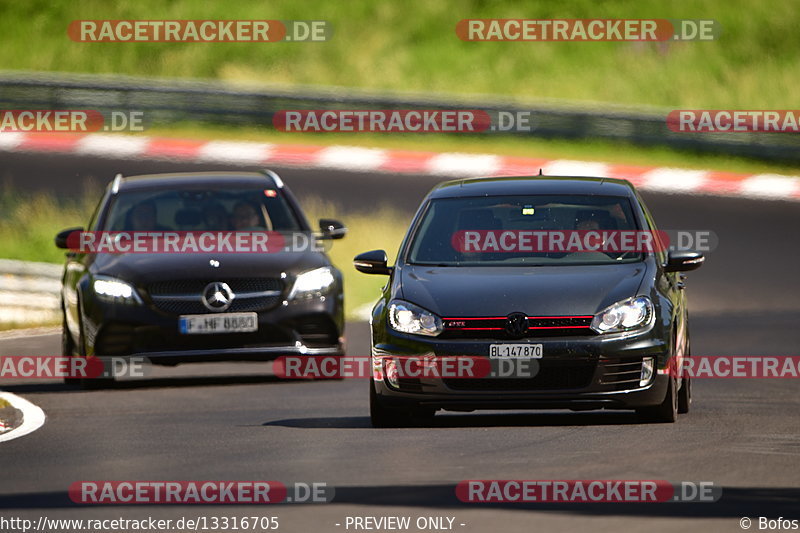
(175, 101)
(29, 292)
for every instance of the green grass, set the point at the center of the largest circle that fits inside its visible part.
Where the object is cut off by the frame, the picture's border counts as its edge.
(412, 46)
(381, 228)
(28, 223)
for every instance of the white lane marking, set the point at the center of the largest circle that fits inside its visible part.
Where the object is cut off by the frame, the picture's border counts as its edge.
(32, 417)
(350, 157)
(11, 139)
(46, 331)
(456, 164)
(766, 186)
(41, 300)
(566, 167)
(26, 315)
(111, 145)
(673, 179)
(769, 186)
(235, 152)
(29, 284)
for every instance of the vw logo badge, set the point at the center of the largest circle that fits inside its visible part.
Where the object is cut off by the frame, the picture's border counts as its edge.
(517, 325)
(217, 296)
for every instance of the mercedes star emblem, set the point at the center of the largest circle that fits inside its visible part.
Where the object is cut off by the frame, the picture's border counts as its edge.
(217, 296)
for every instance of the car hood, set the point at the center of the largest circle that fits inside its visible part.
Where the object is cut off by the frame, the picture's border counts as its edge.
(142, 269)
(536, 291)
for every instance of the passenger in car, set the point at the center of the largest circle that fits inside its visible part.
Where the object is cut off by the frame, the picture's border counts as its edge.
(144, 217)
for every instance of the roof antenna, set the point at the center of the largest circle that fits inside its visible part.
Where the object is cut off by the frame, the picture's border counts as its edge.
(540, 171)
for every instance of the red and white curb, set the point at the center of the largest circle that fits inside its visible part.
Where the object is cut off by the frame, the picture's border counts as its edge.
(359, 159)
(32, 417)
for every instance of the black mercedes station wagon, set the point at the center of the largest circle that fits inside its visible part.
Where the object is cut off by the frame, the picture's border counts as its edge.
(603, 327)
(190, 307)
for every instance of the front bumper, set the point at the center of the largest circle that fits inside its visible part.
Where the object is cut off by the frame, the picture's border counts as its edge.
(305, 327)
(586, 372)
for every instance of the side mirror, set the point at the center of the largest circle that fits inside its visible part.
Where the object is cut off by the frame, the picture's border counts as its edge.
(373, 262)
(682, 261)
(332, 229)
(61, 238)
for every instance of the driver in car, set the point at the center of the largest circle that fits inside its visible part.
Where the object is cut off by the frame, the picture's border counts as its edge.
(246, 217)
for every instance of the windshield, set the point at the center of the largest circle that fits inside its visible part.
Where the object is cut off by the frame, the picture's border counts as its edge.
(491, 230)
(201, 210)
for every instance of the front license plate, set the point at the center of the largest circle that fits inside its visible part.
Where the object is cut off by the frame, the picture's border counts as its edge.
(517, 351)
(227, 323)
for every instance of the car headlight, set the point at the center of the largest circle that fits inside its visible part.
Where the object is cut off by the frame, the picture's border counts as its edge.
(313, 283)
(409, 318)
(115, 290)
(626, 315)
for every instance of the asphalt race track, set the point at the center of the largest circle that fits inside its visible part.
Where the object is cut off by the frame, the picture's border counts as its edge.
(238, 422)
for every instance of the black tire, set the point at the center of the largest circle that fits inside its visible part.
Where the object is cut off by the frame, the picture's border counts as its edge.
(386, 417)
(685, 392)
(685, 396)
(667, 411)
(68, 350)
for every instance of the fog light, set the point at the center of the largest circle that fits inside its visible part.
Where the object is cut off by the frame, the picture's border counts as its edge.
(648, 364)
(390, 371)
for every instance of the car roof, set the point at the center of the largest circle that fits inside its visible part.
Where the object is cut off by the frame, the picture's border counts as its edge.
(534, 185)
(196, 179)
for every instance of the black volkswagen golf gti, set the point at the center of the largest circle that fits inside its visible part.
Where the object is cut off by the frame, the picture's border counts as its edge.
(603, 328)
(189, 307)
